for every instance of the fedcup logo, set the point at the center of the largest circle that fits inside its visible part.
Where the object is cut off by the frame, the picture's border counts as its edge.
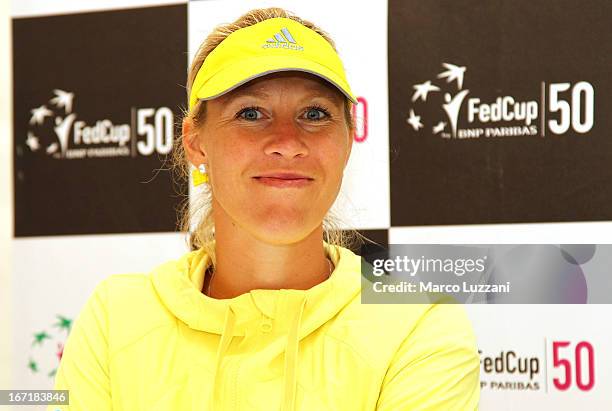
(552, 365)
(555, 108)
(55, 130)
(48, 346)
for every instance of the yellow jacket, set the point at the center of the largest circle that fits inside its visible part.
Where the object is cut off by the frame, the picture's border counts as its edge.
(156, 342)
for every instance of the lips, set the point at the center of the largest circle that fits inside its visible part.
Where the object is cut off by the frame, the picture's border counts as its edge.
(285, 176)
(284, 179)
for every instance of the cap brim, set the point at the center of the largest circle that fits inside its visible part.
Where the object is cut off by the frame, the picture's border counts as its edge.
(236, 75)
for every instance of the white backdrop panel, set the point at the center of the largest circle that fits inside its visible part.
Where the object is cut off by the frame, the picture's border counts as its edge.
(364, 198)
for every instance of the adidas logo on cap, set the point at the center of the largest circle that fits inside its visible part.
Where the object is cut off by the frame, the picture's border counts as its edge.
(282, 40)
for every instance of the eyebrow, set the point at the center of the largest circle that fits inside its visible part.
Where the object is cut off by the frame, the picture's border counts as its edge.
(243, 93)
(331, 93)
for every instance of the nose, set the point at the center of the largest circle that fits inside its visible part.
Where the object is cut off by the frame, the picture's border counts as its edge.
(285, 139)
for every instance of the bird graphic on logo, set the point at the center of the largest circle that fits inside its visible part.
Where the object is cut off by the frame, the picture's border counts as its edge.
(62, 101)
(450, 106)
(422, 90)
(453, 73)
(39, 114)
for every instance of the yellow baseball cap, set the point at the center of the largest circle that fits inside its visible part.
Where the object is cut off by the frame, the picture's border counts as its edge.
(270, 46)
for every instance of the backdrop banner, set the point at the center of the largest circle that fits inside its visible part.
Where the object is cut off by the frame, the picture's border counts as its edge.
(477, 123)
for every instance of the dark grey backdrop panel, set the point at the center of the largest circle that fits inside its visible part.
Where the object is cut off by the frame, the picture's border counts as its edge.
(95, 98)
(500, 169)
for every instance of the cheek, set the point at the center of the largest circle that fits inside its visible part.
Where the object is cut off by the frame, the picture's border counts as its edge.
(227, 180)
(227, 161)
(334, 158)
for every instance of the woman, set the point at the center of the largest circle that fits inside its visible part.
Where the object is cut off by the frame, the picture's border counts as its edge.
(264, 314)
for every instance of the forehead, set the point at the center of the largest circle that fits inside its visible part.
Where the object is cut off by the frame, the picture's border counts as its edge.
(309, 84)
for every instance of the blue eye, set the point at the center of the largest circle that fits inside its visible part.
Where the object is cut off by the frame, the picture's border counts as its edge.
(316, 113)
(249, 113)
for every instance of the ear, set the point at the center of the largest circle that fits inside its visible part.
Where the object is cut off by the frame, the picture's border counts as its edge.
(192, 144)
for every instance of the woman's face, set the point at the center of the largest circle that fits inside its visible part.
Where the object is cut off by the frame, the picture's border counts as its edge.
(275, 150)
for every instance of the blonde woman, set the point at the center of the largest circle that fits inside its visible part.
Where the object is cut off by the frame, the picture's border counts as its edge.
(265, 312)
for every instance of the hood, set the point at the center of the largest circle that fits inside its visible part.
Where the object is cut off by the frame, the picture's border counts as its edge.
(296, 312)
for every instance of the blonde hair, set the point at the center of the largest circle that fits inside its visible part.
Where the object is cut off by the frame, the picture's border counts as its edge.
(203, 236)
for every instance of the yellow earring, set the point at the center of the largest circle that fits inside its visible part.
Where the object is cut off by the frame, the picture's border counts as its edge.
(199, 175)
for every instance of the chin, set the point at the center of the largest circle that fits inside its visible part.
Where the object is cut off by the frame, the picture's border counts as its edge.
(279, 229)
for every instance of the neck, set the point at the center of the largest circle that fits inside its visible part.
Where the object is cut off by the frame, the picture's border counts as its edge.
(245, 263)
